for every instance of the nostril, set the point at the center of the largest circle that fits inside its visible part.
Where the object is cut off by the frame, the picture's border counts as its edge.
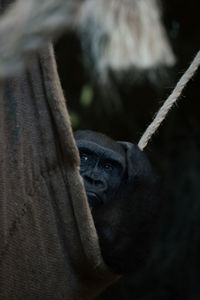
(88, 179)
(92, 181)
(98, 183)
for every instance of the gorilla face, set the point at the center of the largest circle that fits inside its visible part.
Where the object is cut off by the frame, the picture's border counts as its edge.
(102, 169)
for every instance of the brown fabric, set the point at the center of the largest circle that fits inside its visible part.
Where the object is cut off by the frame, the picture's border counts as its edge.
(49, 247)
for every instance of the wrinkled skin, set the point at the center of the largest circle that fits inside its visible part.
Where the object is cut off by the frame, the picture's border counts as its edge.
(123, 193)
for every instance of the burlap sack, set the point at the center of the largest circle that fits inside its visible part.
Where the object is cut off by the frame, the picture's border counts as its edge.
(49, 247)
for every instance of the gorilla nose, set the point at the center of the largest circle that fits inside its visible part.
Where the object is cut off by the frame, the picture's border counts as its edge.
(93, 181)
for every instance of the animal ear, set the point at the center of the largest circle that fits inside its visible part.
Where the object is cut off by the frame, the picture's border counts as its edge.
(137, 163)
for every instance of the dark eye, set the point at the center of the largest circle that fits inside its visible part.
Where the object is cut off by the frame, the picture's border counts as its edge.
(108, 167)
(84, 157)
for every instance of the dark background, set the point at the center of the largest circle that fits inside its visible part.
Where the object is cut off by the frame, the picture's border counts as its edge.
(174, 269)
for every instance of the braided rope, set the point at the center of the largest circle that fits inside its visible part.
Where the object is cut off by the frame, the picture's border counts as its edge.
(28, 25)
(165, 108)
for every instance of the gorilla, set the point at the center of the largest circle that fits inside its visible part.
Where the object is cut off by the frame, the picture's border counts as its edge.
(123, 194)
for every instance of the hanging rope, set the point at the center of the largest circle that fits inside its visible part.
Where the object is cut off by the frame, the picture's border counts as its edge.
(161, 114)
(27, 26)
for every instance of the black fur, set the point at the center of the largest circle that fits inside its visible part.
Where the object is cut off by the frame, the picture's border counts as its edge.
(125, 203)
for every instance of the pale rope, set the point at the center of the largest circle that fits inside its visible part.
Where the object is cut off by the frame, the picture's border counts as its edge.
(28, 25)
(161, 114)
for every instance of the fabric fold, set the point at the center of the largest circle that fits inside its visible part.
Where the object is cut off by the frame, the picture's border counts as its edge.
(49, 246)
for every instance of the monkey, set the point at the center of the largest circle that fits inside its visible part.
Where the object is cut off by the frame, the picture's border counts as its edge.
(123, 193)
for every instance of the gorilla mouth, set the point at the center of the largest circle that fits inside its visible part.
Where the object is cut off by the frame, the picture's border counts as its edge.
(93, 199)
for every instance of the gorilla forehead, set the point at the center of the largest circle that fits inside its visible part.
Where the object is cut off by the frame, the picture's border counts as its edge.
(99, 139)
